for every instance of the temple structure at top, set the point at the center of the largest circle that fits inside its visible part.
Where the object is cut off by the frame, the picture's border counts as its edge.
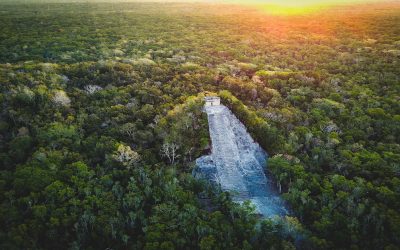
(212, 101)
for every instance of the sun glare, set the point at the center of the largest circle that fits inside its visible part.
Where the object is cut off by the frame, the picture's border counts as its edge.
(297, 7)
(278, 9)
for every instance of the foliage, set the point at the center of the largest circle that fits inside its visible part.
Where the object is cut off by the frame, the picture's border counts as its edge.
(91, 93)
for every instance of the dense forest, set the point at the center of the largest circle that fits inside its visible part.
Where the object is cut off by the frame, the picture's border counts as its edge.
(101, 121)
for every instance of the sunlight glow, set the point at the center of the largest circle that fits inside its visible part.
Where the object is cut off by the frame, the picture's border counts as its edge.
(278, 9)
(297, 7)
(303, 3)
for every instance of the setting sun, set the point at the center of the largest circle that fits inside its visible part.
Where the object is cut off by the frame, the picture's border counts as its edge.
(304, 3)
(295, 7)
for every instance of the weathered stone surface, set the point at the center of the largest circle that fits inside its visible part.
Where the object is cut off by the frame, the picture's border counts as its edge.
(237, 163)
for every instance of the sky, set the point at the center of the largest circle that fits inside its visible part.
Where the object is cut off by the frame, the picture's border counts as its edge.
(281, 3)
(275, 2)
(298, 7)
(294, 3)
